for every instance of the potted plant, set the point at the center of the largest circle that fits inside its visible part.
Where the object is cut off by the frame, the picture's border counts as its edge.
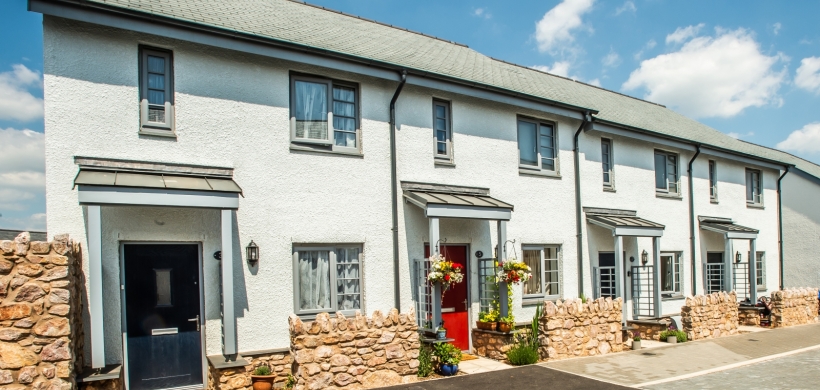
(636, 343)
(506, 324)
(262, 378)
(441, 332)
(447, 357)
(487, 320)
(513, 272)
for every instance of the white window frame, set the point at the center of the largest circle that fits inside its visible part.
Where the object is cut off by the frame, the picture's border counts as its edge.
(448, 156)
(677, 282)
(538, 123)
(760, 267)
(757, 198)
(558, 255)
(330, 143)
(608, 184)
(713, 181)
(156, 128)
(666, 190)
(332, 249)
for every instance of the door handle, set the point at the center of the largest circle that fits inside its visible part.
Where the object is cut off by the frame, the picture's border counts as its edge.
(196, 319)
(465, 305)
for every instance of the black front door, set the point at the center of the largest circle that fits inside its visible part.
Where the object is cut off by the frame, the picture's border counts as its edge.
(162, 312)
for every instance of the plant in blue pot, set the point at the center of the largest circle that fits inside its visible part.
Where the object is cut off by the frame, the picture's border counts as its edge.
(447, 357)
(441, 331)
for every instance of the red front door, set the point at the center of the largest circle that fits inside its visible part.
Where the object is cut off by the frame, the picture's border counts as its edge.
(454, 305)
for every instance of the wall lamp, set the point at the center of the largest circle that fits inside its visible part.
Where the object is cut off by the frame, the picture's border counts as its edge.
(644, 257)
(252, 253)
(738, 257)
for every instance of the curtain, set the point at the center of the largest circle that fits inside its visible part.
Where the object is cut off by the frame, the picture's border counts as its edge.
(344, 116)
(347, 278)
(532, 258)
(314, 280)
(311, 110)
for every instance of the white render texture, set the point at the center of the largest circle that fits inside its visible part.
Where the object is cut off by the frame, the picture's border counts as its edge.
(801, 230)
(232, 111)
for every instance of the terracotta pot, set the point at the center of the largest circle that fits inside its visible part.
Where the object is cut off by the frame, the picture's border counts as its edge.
(485, 325)
(504, 327)
(262, 382)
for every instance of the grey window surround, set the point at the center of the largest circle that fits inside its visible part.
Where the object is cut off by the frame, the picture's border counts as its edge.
(669, 169)
(675, 273)
(327, 144)
(666, 195)
(333, 265)
(754, 188)
(607, 164)
(165, 92)
(557, 277)
(533, 172)
(713, 181)
(447, 121)
(539, 146)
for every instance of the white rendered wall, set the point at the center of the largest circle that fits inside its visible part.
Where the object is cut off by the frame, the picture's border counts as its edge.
(801, 230)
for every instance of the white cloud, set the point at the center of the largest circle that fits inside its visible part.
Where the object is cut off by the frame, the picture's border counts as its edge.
(711, 76)
(612, 59)
(682, 34)
(559, 68)
(482, 13)
(16, 102)
(648, 46)
(594, 82)
(554, 31)
(22, 168)
(628, 6)
(808, 75)
(776, 28)
(739, 136)
(805, 140)
(35, 222)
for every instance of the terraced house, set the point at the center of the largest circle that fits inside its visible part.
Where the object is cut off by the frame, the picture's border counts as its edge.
(226, 164)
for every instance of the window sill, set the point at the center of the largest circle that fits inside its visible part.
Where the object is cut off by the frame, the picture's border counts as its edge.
(534, 172)
(755, 206)
(300, 148)
(609, 188)
(761, 288)
(531, 301)
(168, 133)
(312, 316)
(444, 163)
(673, 297)
(714, 201)
(668, 195)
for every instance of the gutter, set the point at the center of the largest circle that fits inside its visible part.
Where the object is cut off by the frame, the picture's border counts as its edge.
(586, 124)
(692, 223)
(394, 191)
(780, 222)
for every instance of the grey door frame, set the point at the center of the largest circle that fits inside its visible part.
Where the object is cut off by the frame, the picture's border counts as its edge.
(466, 275)
(123, 323)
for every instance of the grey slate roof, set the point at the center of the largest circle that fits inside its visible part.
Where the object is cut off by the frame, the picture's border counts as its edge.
(285, 20)
(10, 234)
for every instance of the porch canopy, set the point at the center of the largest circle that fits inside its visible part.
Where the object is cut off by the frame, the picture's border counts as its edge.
(450, 201)
(732, 231)
(108, 182)
(627, 223)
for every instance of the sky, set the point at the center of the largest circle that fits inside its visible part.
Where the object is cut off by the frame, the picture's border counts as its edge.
(750, 69)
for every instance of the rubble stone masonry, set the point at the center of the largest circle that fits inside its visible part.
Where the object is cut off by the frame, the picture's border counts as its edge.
(240, 377)
(794, 307)
(710, 316)
(572, 328)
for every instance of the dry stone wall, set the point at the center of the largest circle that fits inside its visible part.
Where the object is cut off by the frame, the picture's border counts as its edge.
(794, 307)
(356, 352)
(240, 377)
(748, 316)
(710, 316)
(649, 330)
(573, 328)
(40, 309)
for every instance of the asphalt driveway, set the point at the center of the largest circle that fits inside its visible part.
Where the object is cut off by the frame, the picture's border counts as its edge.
(519, 378)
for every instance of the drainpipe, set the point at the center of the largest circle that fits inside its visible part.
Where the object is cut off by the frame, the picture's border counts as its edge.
(780, 222)
(394, 191)
(585, 124)
(692, 223)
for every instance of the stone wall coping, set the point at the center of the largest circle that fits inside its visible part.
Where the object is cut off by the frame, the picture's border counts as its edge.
(265, 351)
(496, 332)
(221, 362)
(652, 321)
(111, 371)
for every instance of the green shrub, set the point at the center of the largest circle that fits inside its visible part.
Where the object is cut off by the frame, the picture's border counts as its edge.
(290, 382)
(488, 316)
(425, 361)
(522, 354)
(637, 338)
(262, 371)
(446, 353)
(679, 334)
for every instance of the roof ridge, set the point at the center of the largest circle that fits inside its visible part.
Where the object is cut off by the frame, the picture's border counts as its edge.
(378, 22)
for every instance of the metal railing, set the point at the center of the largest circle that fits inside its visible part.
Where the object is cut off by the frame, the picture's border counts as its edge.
(643, 299)
(713, 277)
(422, 294)
(604, 282)
(741, 281)
(487, 287)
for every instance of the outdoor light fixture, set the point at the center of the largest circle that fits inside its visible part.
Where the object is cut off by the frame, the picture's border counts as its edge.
(644, 257)
(737, 257)
(252, 253)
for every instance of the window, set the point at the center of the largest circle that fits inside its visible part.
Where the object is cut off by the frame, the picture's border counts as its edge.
(543, 260)
(606, 161)
(327, 279)
(670, 274)
(760, 267)
(156, 92)
(441, 129)
(666, 172)
(713, 180)
(537, 146)
(324, 114)
(754, 192)
(162, 278)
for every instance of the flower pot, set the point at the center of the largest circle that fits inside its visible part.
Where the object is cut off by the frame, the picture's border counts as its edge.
(672, 339)
(441, 334)
(262, 382)
(504, 327)
(486, 325)
(448, 369)
(636, 345)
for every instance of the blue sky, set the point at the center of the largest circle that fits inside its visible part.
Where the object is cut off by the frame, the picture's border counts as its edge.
(748, 68)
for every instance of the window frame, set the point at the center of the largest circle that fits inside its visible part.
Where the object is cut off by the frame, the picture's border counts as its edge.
(540, 166)
(543, 261)
(332, 258)
(667, 155)
(760, 270)
(757, 198)
(677, 282)
(448, 156)
(330, 143)
(608, 184)
(166, 128)
(713, 181)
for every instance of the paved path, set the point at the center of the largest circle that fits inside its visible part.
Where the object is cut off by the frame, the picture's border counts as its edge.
(480, 365)
(518, 378)
(648, 367)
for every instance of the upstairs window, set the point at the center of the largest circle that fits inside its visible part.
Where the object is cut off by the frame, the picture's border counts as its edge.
(442, 130)
(606, 162)
(537, 146)
(713, 194)
(754, 190)
(156, 92)
(666, 172)
(324, 114)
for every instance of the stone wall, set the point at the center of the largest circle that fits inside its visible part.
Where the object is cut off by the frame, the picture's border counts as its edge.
(571, 328)
(40, 329)
(710, 316)
(240, 377)
(648, 330)
(748, 316)
(794, 307)
(357, 352)
(494, 345)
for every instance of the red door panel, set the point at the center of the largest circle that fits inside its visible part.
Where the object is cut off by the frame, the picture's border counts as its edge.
(454, 305)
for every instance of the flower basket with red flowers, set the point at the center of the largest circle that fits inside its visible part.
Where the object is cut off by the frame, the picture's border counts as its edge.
(513, 272)
(444, 272)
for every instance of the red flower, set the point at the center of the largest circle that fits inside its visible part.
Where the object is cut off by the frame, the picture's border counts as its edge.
(457, 266)
(447, 278)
